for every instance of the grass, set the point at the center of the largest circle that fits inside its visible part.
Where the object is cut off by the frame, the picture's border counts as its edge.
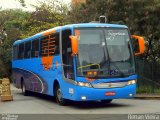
(148, 90)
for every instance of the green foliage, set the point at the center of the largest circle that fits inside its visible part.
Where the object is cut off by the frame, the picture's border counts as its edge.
(9, 31)
(47, 15)
(17, 24)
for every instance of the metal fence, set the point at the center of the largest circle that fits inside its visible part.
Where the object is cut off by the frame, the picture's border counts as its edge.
(148, 76)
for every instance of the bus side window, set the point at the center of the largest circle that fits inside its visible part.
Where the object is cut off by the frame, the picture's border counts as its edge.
(27, 52)
(44, 46)
(21, 51)
(57, 43)
(54, 44)
(50, 45)
(15, 52)
(35, 48)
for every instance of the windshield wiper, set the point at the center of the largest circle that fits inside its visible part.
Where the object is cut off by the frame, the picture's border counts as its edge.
(106, 52)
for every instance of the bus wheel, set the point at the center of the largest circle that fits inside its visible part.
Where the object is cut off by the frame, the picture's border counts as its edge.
(59, 99)
(24, 91)
(106, 101)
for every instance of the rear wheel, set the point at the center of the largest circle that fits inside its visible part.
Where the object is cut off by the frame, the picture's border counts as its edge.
(58, 94)
(106, 101)
(23, 87)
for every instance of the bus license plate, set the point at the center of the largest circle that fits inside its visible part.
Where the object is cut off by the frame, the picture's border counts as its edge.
(110, 93)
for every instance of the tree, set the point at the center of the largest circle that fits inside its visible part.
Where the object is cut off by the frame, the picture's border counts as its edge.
(17, 24)
(10, 30)
(48, 14)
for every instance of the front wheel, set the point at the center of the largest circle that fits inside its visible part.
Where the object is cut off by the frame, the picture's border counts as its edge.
(58, 94)
(106, 101)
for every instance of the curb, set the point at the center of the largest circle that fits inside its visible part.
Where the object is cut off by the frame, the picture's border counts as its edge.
(148, 97)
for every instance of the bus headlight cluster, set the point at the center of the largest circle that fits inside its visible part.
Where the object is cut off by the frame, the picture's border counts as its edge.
(83, 84)
(131, 82)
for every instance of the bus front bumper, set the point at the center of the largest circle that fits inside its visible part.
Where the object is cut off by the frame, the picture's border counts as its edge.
(92, 94)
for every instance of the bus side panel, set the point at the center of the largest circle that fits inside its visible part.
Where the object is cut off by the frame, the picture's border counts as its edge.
(32, 81)
(16, 78)
(36, 78)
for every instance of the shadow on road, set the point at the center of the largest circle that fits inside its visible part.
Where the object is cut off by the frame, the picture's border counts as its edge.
(95, 105)
(79, 105)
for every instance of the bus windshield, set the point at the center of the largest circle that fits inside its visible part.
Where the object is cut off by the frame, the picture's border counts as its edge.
(104, 52)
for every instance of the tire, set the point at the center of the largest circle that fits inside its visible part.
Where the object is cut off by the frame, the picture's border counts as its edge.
(106, 101)
(24, 91)
(58, 95)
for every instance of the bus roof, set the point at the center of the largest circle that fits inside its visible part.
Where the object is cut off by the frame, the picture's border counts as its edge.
(80, 25)
(95, 25)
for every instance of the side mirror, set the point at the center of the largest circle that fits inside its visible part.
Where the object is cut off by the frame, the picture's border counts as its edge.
(74, 45)
(138, 44)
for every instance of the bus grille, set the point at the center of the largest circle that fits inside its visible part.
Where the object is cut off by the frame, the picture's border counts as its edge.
(110, 85)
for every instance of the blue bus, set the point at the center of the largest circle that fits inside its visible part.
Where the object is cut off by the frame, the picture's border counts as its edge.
(79, 62)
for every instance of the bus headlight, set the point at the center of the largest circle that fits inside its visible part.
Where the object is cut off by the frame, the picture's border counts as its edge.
(83, 84)
(131, 82)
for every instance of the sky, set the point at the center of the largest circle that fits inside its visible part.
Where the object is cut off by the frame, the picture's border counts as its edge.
(11, 4)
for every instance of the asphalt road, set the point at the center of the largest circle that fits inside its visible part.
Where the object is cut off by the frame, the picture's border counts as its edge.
(39, 104)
